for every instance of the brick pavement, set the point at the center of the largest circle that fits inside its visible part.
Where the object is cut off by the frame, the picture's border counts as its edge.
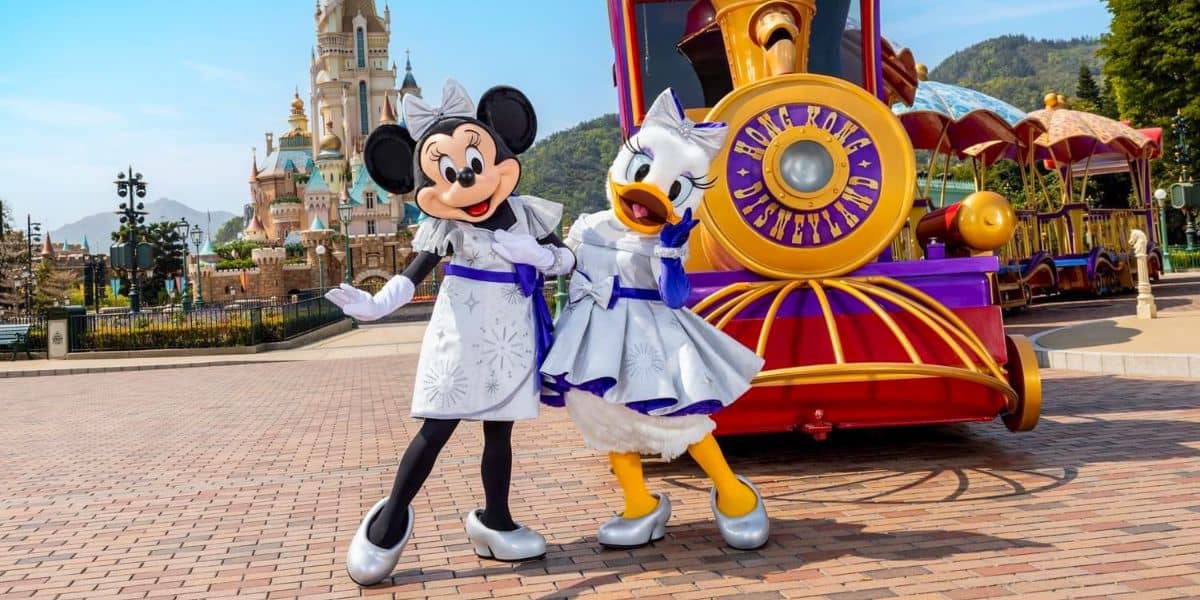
(249, 481)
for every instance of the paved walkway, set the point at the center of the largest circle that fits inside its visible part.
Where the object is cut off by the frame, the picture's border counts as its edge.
(364, 342)
(249, 480)
(1176, 292)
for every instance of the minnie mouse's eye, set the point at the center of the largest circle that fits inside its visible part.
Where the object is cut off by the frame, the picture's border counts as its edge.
(475, 159)
(448, 171)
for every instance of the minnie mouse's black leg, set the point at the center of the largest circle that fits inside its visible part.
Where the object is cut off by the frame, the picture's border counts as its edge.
(389, 526)
(496, 469)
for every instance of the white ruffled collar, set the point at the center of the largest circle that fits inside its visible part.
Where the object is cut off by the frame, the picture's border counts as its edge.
(604, 230)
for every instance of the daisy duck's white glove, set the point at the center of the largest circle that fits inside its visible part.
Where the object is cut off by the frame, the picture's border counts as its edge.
(363, 306)
(524, 249)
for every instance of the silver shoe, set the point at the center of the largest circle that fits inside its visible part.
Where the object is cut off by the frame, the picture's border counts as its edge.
(368, 564)
(620, 532)
(522, 543)
(749, 531)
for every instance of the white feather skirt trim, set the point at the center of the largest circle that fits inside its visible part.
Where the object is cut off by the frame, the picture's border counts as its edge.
(607, 427)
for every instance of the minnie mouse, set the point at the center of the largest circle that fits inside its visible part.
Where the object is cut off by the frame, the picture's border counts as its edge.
(490, 328)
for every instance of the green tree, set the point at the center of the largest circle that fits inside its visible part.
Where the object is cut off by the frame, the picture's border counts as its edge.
(1087, 92)
(51, 284)
(229, 231)
(12, 258)
(167, 248)
(571, 166)
(1108, 102)
(1152, 59)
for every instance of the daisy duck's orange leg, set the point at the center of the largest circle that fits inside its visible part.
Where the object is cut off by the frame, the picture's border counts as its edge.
(734, 498)
(627, 466)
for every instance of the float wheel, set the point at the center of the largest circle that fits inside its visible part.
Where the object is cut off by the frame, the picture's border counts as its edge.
(1026, 380)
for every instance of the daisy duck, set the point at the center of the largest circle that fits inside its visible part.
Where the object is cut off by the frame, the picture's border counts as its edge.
(490, 327)
(639, 372)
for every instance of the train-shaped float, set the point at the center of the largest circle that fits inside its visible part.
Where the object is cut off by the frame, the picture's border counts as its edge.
(870, 307)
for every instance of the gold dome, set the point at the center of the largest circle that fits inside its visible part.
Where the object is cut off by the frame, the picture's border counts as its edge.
(330, 141)
(297, 105)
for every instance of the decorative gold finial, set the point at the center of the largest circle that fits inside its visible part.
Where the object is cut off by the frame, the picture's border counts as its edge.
(297, 103)
(330, 142)
(1051, 100)
(922, 72)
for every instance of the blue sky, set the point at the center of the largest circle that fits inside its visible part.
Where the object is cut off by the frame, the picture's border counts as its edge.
(183, 90)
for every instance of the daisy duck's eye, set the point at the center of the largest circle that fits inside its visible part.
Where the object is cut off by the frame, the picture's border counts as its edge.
(639, 167)
(681, 189)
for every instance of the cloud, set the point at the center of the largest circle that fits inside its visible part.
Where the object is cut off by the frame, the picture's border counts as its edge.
(217, 73)
(163, 111)
(56, 113)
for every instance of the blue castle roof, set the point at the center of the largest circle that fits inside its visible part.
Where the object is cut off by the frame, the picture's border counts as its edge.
(316, 182)
(364, 183)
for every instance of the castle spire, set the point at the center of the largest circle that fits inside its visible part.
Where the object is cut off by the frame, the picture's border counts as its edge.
(387, 116)
(409, 86)
(253, 165)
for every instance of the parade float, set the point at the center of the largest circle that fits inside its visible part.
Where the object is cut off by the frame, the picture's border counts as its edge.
(795, 253)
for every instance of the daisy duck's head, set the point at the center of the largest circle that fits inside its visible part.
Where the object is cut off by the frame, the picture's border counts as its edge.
(662, 170)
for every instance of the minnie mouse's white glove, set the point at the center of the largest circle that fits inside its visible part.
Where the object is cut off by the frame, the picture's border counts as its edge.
(363, 306)
(524, 249)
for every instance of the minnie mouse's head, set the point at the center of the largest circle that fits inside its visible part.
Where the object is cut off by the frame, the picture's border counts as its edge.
(464, 165)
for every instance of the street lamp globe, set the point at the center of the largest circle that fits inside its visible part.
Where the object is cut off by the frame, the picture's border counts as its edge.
(197, 235)
(1160, 195)
(321, 250)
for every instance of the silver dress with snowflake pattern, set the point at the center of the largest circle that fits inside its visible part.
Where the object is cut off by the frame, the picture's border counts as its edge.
(478, 358)
(639, 376)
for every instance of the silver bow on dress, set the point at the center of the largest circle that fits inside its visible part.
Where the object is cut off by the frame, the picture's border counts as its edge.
(667, 113)
(582, 287)
(419, 116)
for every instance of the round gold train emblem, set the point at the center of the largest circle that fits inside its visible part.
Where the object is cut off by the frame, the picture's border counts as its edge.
(818, 177)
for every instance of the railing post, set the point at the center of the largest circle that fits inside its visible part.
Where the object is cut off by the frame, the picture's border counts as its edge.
(255, 325)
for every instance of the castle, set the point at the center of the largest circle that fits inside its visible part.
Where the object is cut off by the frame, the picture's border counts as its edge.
(295, 192)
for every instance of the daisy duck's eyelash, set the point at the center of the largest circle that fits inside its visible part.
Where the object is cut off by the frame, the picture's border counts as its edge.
(703, 183)
(637, 148)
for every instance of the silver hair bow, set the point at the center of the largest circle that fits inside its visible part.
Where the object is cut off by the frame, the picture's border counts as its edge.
(419, 116)
(667, 113)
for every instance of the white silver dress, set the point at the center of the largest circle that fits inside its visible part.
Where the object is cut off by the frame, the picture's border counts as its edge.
(478, 357)
(638, 375)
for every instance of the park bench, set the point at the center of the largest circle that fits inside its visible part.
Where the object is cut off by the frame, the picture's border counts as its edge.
(16, 337)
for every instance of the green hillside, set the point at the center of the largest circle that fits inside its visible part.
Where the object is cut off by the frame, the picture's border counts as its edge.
(1020, 70)
(570, 166)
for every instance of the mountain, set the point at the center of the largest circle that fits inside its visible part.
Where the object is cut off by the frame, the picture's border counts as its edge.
(99, 227)
(571, 166)
(1020, 70)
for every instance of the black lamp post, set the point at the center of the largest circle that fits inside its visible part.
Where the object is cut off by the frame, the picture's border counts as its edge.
(93, 284)
(197, 239)
(32, 234)
(181, 228)
(1183, 156)
(344, 214)
(132, 216)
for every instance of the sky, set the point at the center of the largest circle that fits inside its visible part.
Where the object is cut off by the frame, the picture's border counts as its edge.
(183, 90)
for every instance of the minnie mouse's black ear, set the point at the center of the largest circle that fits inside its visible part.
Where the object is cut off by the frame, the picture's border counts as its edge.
(507, 111)
(388, 156)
